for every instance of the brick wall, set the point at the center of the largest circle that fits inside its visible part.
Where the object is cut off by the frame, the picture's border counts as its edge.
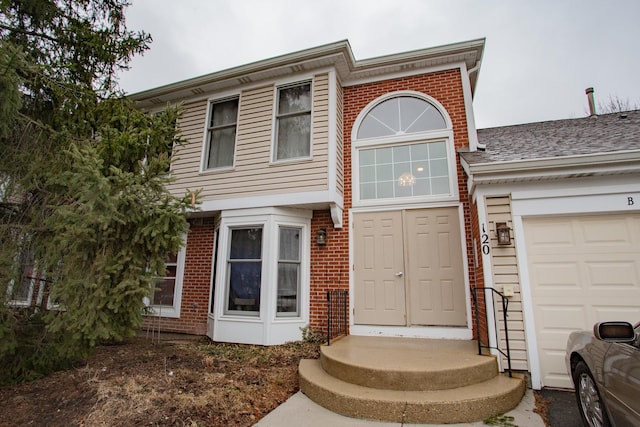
(330, 264)
(196, 283)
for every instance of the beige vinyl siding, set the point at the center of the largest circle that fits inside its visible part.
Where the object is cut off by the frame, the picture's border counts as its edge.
(504, 265)
(339, 138)
(187, 156)
(253, 173)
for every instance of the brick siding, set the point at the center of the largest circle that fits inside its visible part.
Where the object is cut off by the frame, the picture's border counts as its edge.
(196, 284)
(330, 264)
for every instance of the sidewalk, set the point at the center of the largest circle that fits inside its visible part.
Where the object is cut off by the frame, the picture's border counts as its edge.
(300, 411)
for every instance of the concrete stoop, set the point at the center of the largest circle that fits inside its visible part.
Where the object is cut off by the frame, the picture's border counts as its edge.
(409, 381)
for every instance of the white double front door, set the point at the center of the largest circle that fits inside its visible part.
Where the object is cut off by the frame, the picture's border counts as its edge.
(408, 268)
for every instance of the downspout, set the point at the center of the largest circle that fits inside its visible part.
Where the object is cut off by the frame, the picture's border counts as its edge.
(479, 145)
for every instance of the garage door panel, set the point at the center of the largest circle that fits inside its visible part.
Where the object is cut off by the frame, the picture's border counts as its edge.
(553, 274)
(565, 318)
(611, 273)
(582, 270)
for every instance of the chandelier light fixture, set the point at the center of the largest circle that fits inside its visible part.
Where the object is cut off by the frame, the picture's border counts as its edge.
(406, 180)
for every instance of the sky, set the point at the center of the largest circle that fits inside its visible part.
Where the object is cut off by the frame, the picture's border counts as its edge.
(540, 55)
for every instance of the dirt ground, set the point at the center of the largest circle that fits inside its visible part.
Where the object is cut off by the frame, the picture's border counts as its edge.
(177, 381)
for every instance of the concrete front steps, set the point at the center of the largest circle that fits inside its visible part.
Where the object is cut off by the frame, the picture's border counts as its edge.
(408, 380)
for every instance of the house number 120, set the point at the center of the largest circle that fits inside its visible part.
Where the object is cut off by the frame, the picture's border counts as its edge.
(484, 240)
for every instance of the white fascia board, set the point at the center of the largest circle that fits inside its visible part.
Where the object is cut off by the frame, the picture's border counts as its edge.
(617, 162)
(286, 199)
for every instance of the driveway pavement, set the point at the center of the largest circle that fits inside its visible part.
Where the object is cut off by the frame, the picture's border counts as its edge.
(562, 406)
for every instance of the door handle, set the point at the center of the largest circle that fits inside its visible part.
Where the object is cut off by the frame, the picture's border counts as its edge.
(399, 274)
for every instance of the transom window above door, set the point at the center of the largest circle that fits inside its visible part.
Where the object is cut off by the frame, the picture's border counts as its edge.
(401, 115)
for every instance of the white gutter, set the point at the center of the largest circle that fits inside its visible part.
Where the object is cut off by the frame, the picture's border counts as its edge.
(551, 167)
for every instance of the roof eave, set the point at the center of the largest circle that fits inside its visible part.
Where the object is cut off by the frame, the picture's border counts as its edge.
(618, 162)
(338, 53)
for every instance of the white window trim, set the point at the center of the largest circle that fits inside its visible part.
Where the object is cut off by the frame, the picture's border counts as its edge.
(173, 311)
(274, 122)
(205, 138)
(26, 302)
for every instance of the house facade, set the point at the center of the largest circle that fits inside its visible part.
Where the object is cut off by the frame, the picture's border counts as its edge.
(316, 171)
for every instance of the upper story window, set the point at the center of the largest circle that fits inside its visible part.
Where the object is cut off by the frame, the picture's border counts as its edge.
(293, 122)
(403, 151)
(221, 133)
(401, 115)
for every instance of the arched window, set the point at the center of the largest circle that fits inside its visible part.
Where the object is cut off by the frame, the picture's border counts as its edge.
(401, 115)
(403, 150)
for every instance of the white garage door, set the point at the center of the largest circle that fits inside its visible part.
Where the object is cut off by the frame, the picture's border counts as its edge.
(583, 270)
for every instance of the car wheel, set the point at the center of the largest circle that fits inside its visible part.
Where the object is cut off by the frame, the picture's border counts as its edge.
(589, 402)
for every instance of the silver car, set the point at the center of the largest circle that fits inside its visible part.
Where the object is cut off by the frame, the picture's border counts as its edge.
(605, 367)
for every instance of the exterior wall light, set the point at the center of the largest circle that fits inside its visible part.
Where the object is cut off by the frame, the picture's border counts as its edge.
(504, 233)
(322, 237)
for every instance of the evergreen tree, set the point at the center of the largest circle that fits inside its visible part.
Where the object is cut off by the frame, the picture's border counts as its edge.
(83, 177)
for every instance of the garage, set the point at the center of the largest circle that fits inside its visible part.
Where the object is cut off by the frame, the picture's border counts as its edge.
(582, 270)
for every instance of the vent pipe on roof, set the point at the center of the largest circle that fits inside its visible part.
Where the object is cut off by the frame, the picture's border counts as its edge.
(592, 101)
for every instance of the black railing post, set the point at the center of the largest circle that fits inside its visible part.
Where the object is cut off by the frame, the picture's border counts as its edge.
(505, 306)
(336, 313)
(328, 317)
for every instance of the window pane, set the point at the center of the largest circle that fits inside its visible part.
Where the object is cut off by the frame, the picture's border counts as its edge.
(294, 137)
(384, 190)
(224, 113)
(384, 155)
(165, 290)
(437, 150)
(439, 167)
(294, 99)
(384, 172)
(371, 127)
(419, 151)
(244, 285)
(289, 244)
(288, 281)
(401, 154)
(440, 185)
(367, 173)
(422, 187)
(367, 191)
(387, 113)
(246, 243)
(221, 147)
(420, 116)
(367, 157)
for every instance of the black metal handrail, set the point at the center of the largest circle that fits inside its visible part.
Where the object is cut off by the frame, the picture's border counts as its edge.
(505, 305)
(336, 314)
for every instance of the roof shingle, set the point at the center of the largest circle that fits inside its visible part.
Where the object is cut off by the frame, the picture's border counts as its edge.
(559, 138)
